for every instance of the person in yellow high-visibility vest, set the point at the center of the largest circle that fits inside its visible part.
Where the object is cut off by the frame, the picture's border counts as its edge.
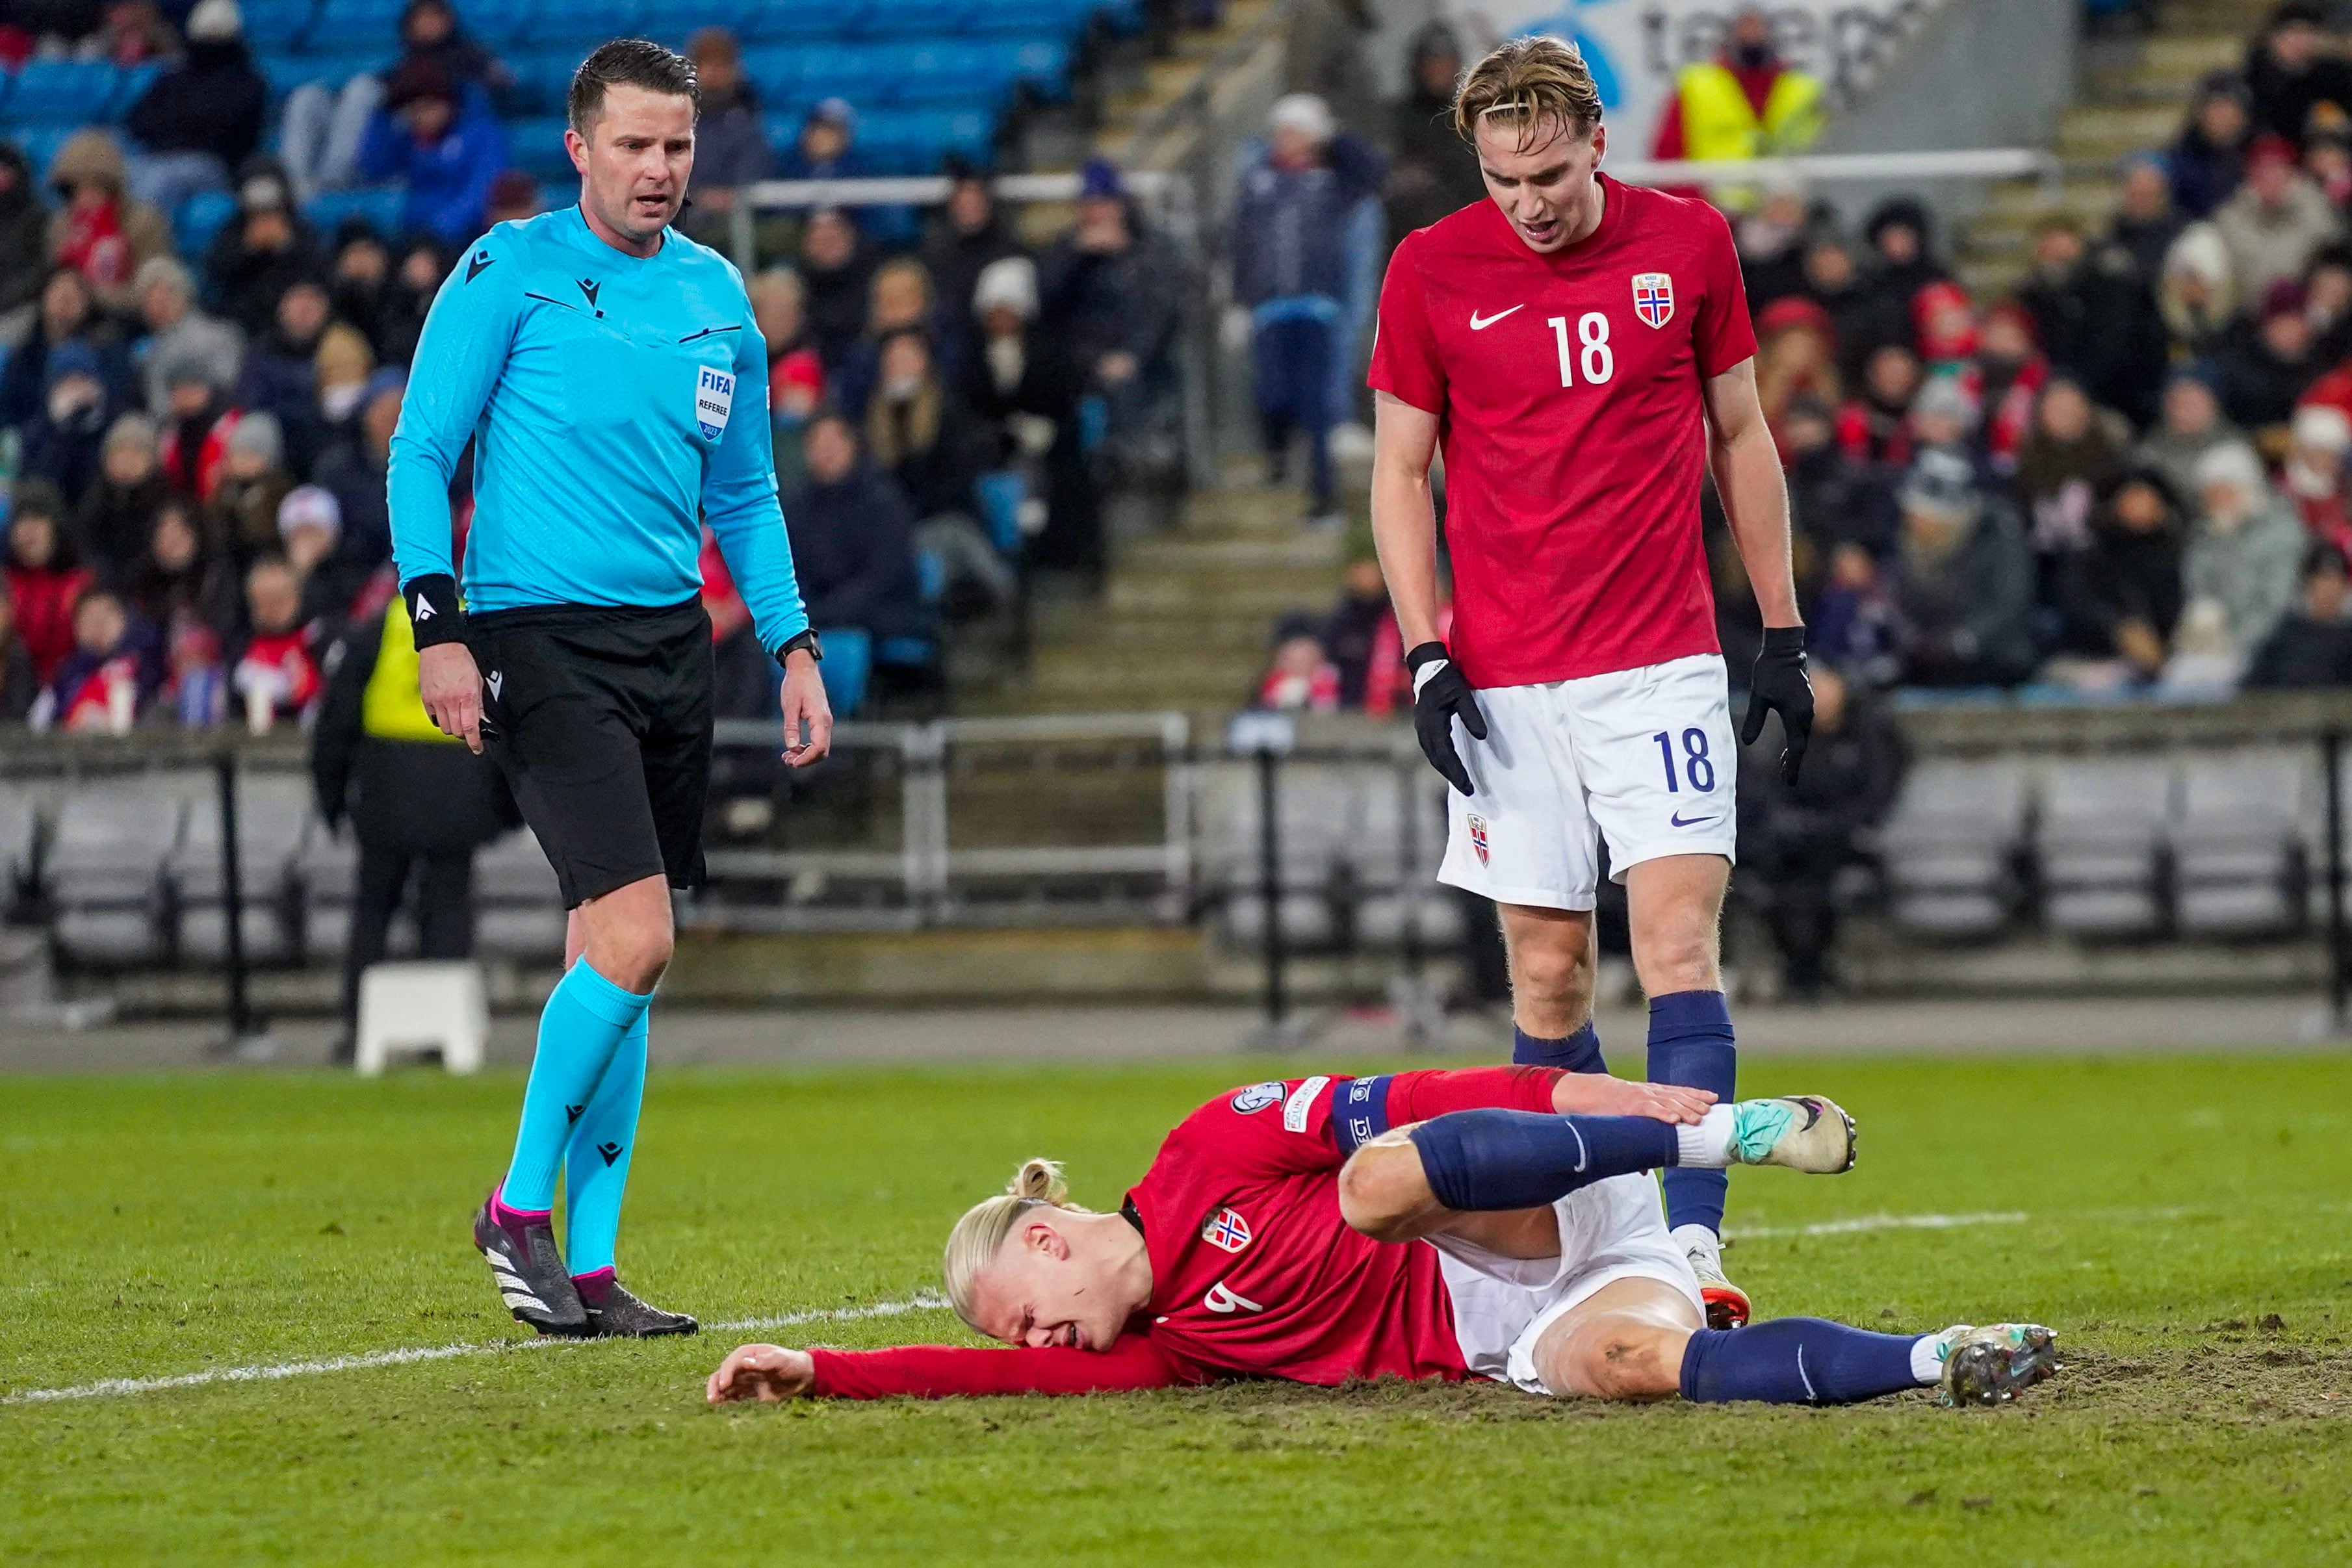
(420, 802)
(1747, 103)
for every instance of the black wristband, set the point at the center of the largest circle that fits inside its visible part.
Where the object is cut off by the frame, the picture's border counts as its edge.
(1784, 639)
(433, 612)
(1424, 654)
(805, 642)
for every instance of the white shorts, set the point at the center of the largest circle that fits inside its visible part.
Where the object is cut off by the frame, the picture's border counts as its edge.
(1614, 1230)
(1643, 756)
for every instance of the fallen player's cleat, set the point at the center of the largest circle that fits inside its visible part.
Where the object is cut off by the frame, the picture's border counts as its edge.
(1727, 1306)
(1992, 1365)
(1802, 1132)
(614, 1314)
(528, 1271)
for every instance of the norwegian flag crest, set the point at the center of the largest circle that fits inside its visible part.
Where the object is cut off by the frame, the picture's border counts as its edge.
(1227, 1230)
(1653, 298)
(1478, 836)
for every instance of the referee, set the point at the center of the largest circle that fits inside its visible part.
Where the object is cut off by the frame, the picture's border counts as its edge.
(595, 359)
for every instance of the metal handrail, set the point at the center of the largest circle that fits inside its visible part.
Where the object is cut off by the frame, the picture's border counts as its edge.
(1967, 163)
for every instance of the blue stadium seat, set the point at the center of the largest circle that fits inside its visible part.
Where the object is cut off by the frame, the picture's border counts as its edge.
(1001, 492)
(914, 141)
(848, 665)
(1125, 16)
(543, 79)
(62, 92)
(272, 26)
(496, 22)
(39, 144)
(839, 70)
(1040, 63)
(199, 218)
(130, 86)
(775, 71)
(536, 144)
(904, 652)
(584, 21)
(1059, 17)
(950, 72)
(383, 207)
(776, 21)
(351, 24)
(283, 73)
(900, 19)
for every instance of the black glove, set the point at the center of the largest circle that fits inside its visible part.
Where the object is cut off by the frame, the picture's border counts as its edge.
(1437, 701)
(1781, 682)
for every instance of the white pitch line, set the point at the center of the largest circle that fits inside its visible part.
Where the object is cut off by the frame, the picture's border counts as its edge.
(924, 1303)
(1879, 1222)
(271, 1372)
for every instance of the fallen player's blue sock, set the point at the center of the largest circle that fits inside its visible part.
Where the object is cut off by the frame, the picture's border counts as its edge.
(1578, 1052)
(1798, 1361)
(596, 1157)
(1489, 1159)
(585, 1017)
(1691, 1044)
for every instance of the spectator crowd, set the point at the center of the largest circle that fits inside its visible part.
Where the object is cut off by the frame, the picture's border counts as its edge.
(2127, 477)
(193, 446)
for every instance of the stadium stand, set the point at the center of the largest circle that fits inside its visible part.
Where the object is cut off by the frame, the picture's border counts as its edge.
(2129, 290)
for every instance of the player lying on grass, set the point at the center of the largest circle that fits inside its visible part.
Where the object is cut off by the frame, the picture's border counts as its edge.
(1277, 1235)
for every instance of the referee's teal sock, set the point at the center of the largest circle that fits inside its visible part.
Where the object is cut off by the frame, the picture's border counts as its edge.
(583, 1025)
(596, 1158)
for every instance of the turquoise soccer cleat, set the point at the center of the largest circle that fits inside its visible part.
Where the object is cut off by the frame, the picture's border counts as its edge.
(1994, 1364)
(1801, 1132)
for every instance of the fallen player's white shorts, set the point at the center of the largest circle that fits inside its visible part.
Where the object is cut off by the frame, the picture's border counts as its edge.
(1643, 756)
(1614, 1230)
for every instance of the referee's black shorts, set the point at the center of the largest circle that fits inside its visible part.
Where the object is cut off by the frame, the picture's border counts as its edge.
(600, 719)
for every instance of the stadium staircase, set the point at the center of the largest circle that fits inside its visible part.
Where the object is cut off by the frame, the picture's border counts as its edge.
(2132, 96)
(1184, 620)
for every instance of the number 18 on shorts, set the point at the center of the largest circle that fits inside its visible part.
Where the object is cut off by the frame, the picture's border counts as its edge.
(1643, 758)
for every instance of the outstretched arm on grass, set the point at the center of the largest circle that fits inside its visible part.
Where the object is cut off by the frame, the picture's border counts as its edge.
(769, 1373)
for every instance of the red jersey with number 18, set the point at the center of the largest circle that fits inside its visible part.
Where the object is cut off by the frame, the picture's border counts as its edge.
(1566, 388)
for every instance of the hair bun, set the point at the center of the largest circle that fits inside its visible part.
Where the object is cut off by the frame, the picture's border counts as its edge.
(1041, 1180)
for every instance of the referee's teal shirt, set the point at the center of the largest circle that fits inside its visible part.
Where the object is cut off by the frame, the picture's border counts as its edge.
(617, 402)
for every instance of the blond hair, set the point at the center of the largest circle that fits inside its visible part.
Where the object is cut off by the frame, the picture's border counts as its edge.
(1524, 82)
(979, 1235)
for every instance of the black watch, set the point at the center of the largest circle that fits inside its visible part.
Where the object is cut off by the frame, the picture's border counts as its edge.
(806, 640)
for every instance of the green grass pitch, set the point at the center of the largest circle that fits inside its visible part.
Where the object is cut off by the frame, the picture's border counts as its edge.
(2181, 1221)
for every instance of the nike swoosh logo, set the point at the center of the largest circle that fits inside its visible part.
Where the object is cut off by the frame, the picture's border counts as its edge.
(1676, 821)
(1477, 325)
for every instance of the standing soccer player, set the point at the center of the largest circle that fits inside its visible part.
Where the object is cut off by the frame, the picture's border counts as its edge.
(598, 359)
(1579, 347)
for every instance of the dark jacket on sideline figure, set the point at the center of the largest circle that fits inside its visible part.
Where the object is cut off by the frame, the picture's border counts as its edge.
(853, 549)
(213, 101)
(1290, 226)
(420, 797)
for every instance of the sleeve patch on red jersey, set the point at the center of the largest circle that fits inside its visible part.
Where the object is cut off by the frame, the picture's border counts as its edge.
(1257, 1097)
(1302, 1102)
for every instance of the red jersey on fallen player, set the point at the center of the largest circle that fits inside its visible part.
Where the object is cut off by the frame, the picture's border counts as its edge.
(1568, 391)
(1253, 1271)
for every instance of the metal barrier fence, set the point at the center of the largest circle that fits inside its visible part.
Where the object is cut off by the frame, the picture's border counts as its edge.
(2216, 824)
(965, 821)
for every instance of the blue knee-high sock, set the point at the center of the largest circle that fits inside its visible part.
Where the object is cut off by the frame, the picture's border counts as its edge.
(1524, 1159)
(596, 1158)
(1797, 1361)
(581, 1025)
(1578, 1052)
(1691, 1044)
